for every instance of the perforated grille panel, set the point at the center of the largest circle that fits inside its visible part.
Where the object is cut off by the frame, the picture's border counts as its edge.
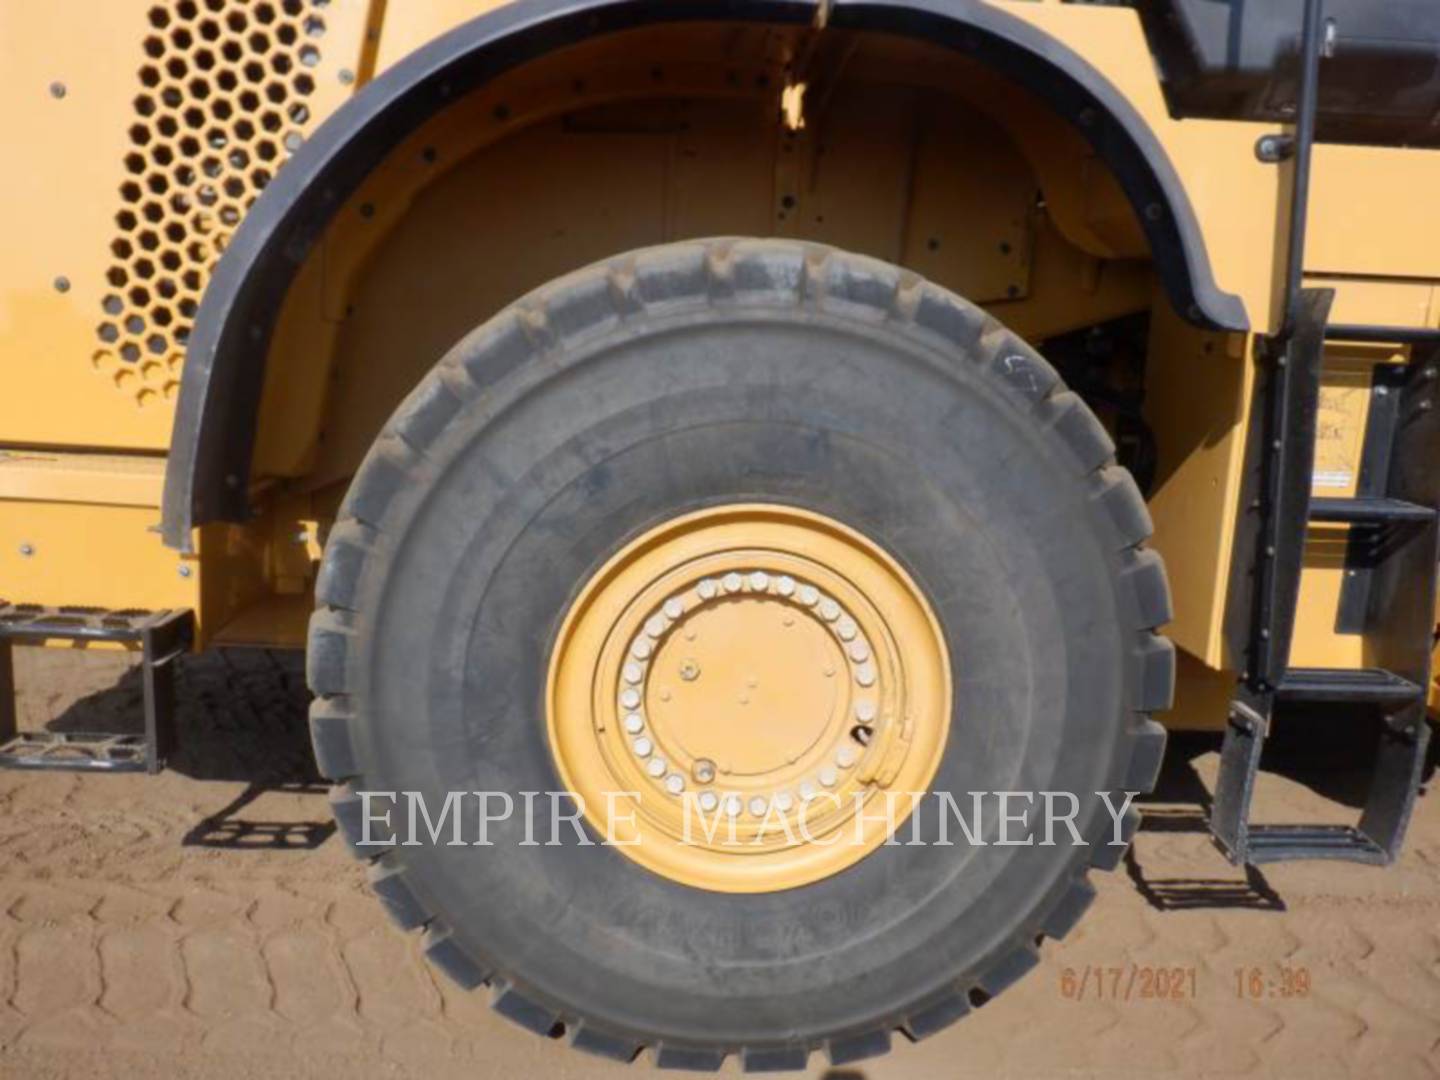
(222, 102)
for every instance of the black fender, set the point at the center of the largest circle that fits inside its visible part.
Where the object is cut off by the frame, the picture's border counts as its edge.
(207, 475)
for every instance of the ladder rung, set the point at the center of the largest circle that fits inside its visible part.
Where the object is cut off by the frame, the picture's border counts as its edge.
(1369, 511)
(1366, 686)
(1282, 843)
(1404, 335)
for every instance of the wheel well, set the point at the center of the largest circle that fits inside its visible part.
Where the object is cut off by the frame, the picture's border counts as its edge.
(320, 229)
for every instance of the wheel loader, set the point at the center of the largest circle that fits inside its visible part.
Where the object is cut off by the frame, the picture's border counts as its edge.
(769, 411)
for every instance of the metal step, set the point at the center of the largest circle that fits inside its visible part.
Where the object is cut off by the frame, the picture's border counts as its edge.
(1394, 785)
(1370, 511)
(1363, 686)
(75, 751)
(162, 638)
(1282, 843)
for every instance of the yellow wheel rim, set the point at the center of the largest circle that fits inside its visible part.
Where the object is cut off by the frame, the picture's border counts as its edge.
(749, 698)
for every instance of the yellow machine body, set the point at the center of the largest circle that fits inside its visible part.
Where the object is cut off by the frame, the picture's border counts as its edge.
(140, 132)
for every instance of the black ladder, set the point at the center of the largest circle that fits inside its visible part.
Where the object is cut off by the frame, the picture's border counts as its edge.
(1389, 592)
(162, 637)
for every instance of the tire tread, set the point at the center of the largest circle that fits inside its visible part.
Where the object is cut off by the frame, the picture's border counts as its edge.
(679, 277)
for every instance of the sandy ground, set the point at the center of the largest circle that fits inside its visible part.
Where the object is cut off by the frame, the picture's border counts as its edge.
(209, 923)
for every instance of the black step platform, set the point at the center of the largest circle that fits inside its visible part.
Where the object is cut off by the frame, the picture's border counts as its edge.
(1363, 686)
(161, 636)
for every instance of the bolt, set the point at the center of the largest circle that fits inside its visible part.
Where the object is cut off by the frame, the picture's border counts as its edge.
(184, 571)
(689, 671)
(57, 90)
(62, 284)
(703, 771)
(347, 76)
(27, 550)
(1381, 391)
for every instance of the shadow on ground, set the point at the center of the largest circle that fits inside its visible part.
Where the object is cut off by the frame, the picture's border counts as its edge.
(240, 716)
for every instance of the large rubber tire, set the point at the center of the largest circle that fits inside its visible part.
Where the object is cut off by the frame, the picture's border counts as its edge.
(689, 376)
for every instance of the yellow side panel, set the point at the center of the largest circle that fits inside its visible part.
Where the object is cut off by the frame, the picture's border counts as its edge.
(1372, 212)
(57, 219)
(136, 134)
(1198, 395)
(101, 556)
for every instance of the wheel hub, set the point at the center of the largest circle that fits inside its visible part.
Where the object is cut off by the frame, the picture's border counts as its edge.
(757, 676)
